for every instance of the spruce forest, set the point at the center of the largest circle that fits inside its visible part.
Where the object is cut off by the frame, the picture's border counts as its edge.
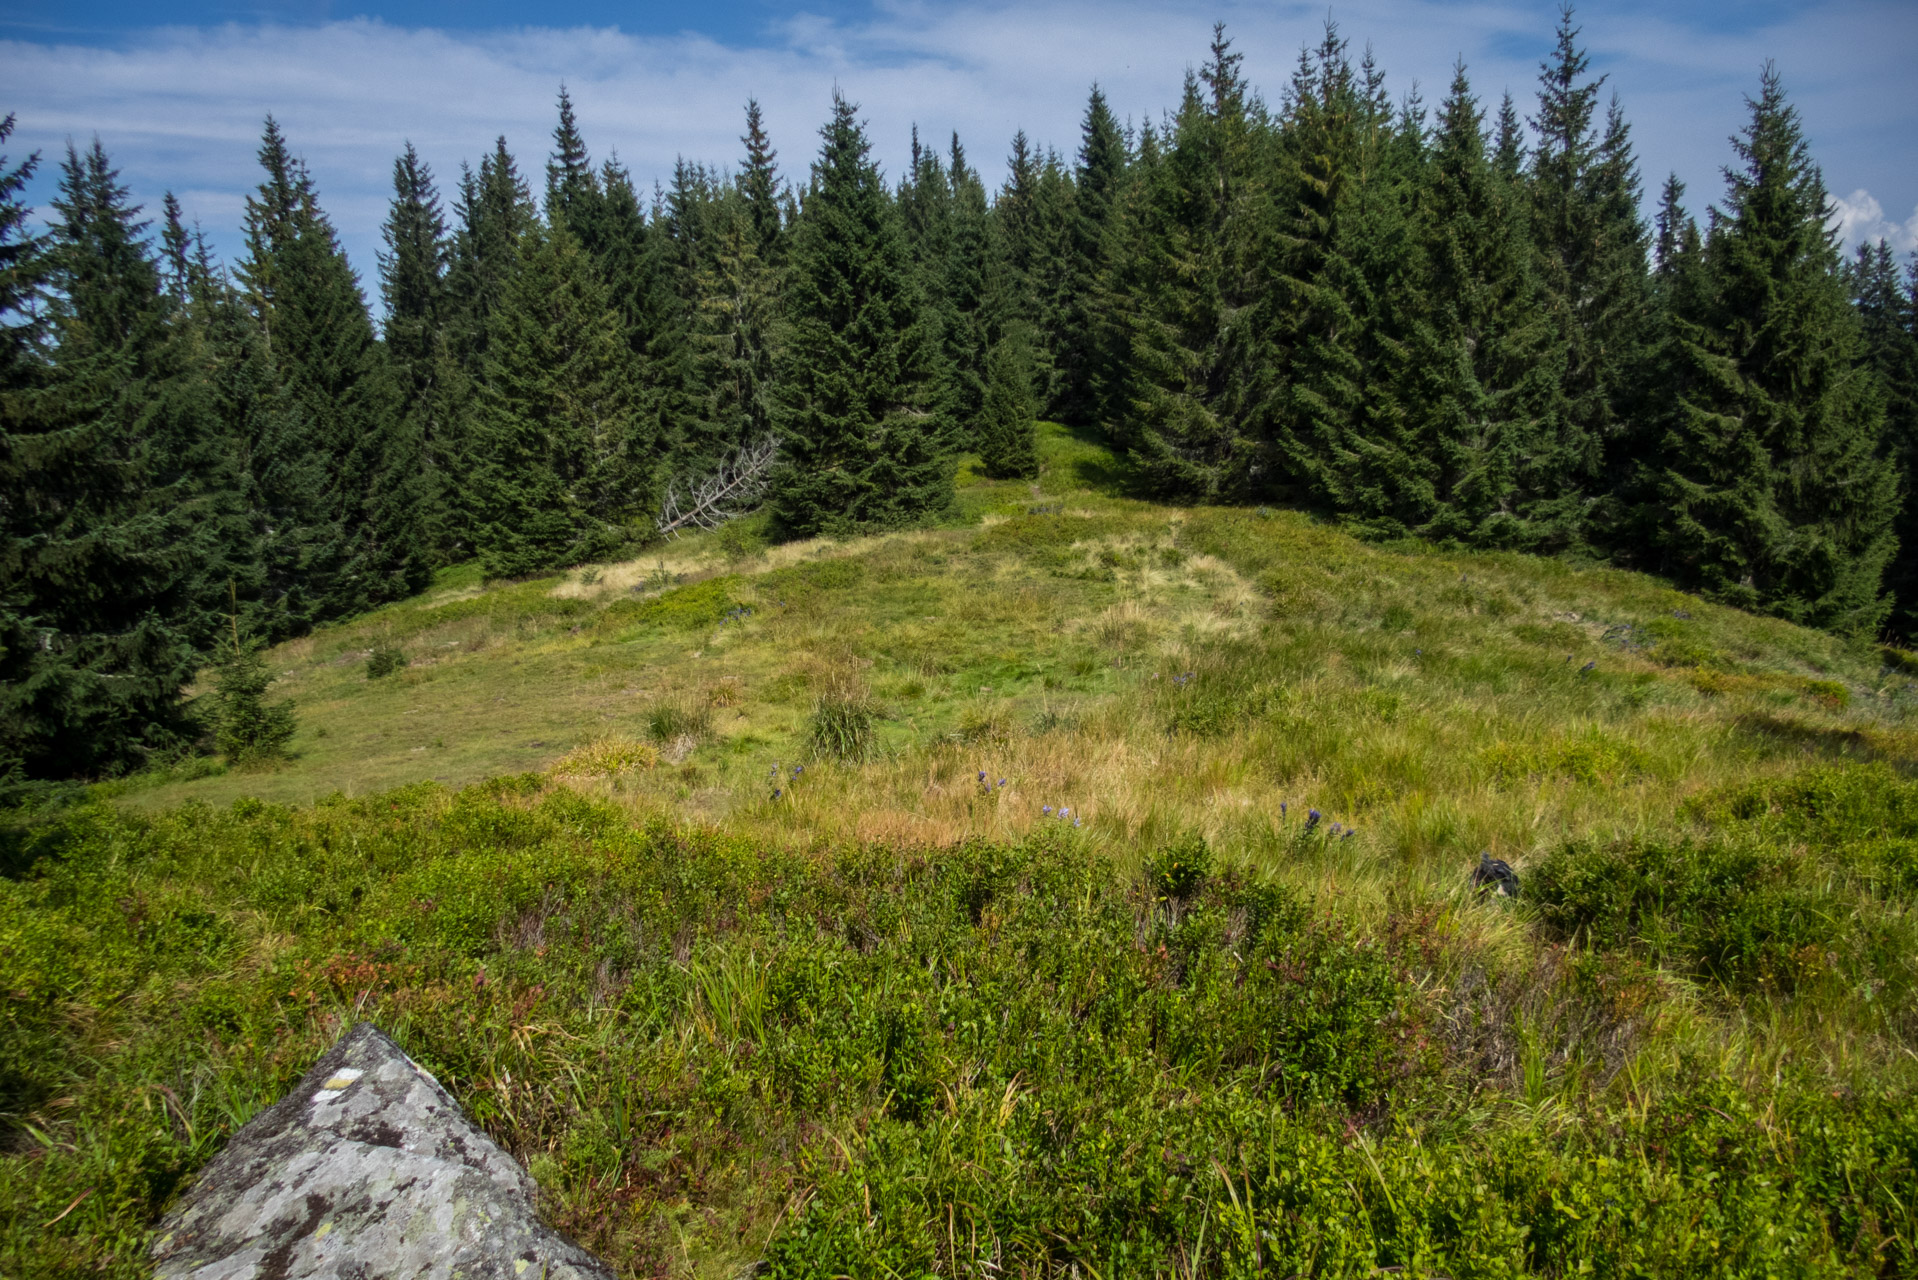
(1322, 686)
(1448, 321)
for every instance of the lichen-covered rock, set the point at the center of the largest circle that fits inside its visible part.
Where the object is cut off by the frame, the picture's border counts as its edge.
(367, 1169)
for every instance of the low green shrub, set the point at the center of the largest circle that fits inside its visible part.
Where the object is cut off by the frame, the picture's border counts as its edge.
(384, 661)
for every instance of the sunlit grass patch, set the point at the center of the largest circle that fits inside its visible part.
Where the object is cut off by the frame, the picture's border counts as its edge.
(605, 757)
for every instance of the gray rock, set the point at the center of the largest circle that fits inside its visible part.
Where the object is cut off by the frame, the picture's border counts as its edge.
(367, 1169)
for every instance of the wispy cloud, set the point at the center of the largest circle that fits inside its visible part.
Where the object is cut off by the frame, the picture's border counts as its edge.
(181, 108)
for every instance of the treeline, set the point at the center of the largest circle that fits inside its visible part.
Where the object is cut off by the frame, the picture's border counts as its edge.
(1447, 323)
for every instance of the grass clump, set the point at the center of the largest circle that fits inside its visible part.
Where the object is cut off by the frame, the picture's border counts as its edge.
(841, 727)
(686, 719)
(605, 757)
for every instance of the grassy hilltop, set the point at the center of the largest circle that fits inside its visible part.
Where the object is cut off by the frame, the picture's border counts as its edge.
(951, 902)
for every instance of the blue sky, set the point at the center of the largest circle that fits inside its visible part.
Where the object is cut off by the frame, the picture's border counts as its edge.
(176, 91)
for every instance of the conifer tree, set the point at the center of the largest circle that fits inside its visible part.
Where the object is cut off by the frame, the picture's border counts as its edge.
(1080, 354)
(738, 301)
(1488, 364)
(759, 183)
(493, 214)
(1886, 307)
(338, 473)
(1308, 381)
(862, 440)
(975, 305)
(1590, 247)
(118, 504)
(565, 461)
(1033, 224)
(1776, 495)
(573, 194)
(1178, 373)
(1008, 437)
(433, 392)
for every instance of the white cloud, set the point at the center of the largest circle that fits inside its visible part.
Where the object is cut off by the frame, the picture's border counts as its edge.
(1860, 219)
(182, 108)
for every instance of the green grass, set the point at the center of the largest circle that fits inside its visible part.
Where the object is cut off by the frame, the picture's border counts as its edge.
(1036, 963)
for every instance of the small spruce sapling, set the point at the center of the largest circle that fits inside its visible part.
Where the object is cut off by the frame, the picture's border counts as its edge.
(246, 727)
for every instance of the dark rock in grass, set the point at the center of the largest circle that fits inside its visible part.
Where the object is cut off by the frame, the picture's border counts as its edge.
(367, 1169)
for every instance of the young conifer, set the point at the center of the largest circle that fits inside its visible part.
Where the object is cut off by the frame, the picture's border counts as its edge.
(863, 444)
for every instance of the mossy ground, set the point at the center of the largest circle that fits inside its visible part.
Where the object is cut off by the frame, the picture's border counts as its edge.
(904, 1019)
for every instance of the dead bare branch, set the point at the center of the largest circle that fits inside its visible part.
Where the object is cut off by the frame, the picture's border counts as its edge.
(729, 491)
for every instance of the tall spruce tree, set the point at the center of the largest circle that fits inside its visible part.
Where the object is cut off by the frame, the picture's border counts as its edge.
(337, 471)
(1309, 377)
(1590, 247)
(758, 182)
(1179, 373)
(434, 393)
(1489, 368)
(119, 502)
(573, 195)
(566, 468)
(1033, 223)
(493, 215)
(975, 303)
(858, 411)
(738, 301)
(1886, 306)
(1776, 494)
(1081, 353)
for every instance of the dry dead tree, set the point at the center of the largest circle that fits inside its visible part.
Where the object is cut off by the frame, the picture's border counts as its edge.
(731, 490)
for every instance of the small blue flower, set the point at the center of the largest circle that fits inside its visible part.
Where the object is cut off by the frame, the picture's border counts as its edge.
(1075, 822)
(1311, 819)
(1418, 653)
(777, 793)
(1588, 667)
(1047, 811)
(1335, 828)
(1350, 832)
(1065, 813)
(798, 769)
(1002, 782)
(1281, 808)
(982, 775)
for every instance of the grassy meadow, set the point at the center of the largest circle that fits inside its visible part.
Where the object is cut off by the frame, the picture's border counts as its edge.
(1079, 887)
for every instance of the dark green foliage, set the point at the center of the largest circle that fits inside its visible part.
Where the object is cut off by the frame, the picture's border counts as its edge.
(1489, 410)
(434, 392)
(1777, 493)
(335, 470)
(247, 727)
(1082, 353)
(119, 513)
(1590, 261)
(1008, 438)
(863, 441)
(1888, 312)
(565, 463)
(975, 304)
(1178, 366)
(384, 661)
